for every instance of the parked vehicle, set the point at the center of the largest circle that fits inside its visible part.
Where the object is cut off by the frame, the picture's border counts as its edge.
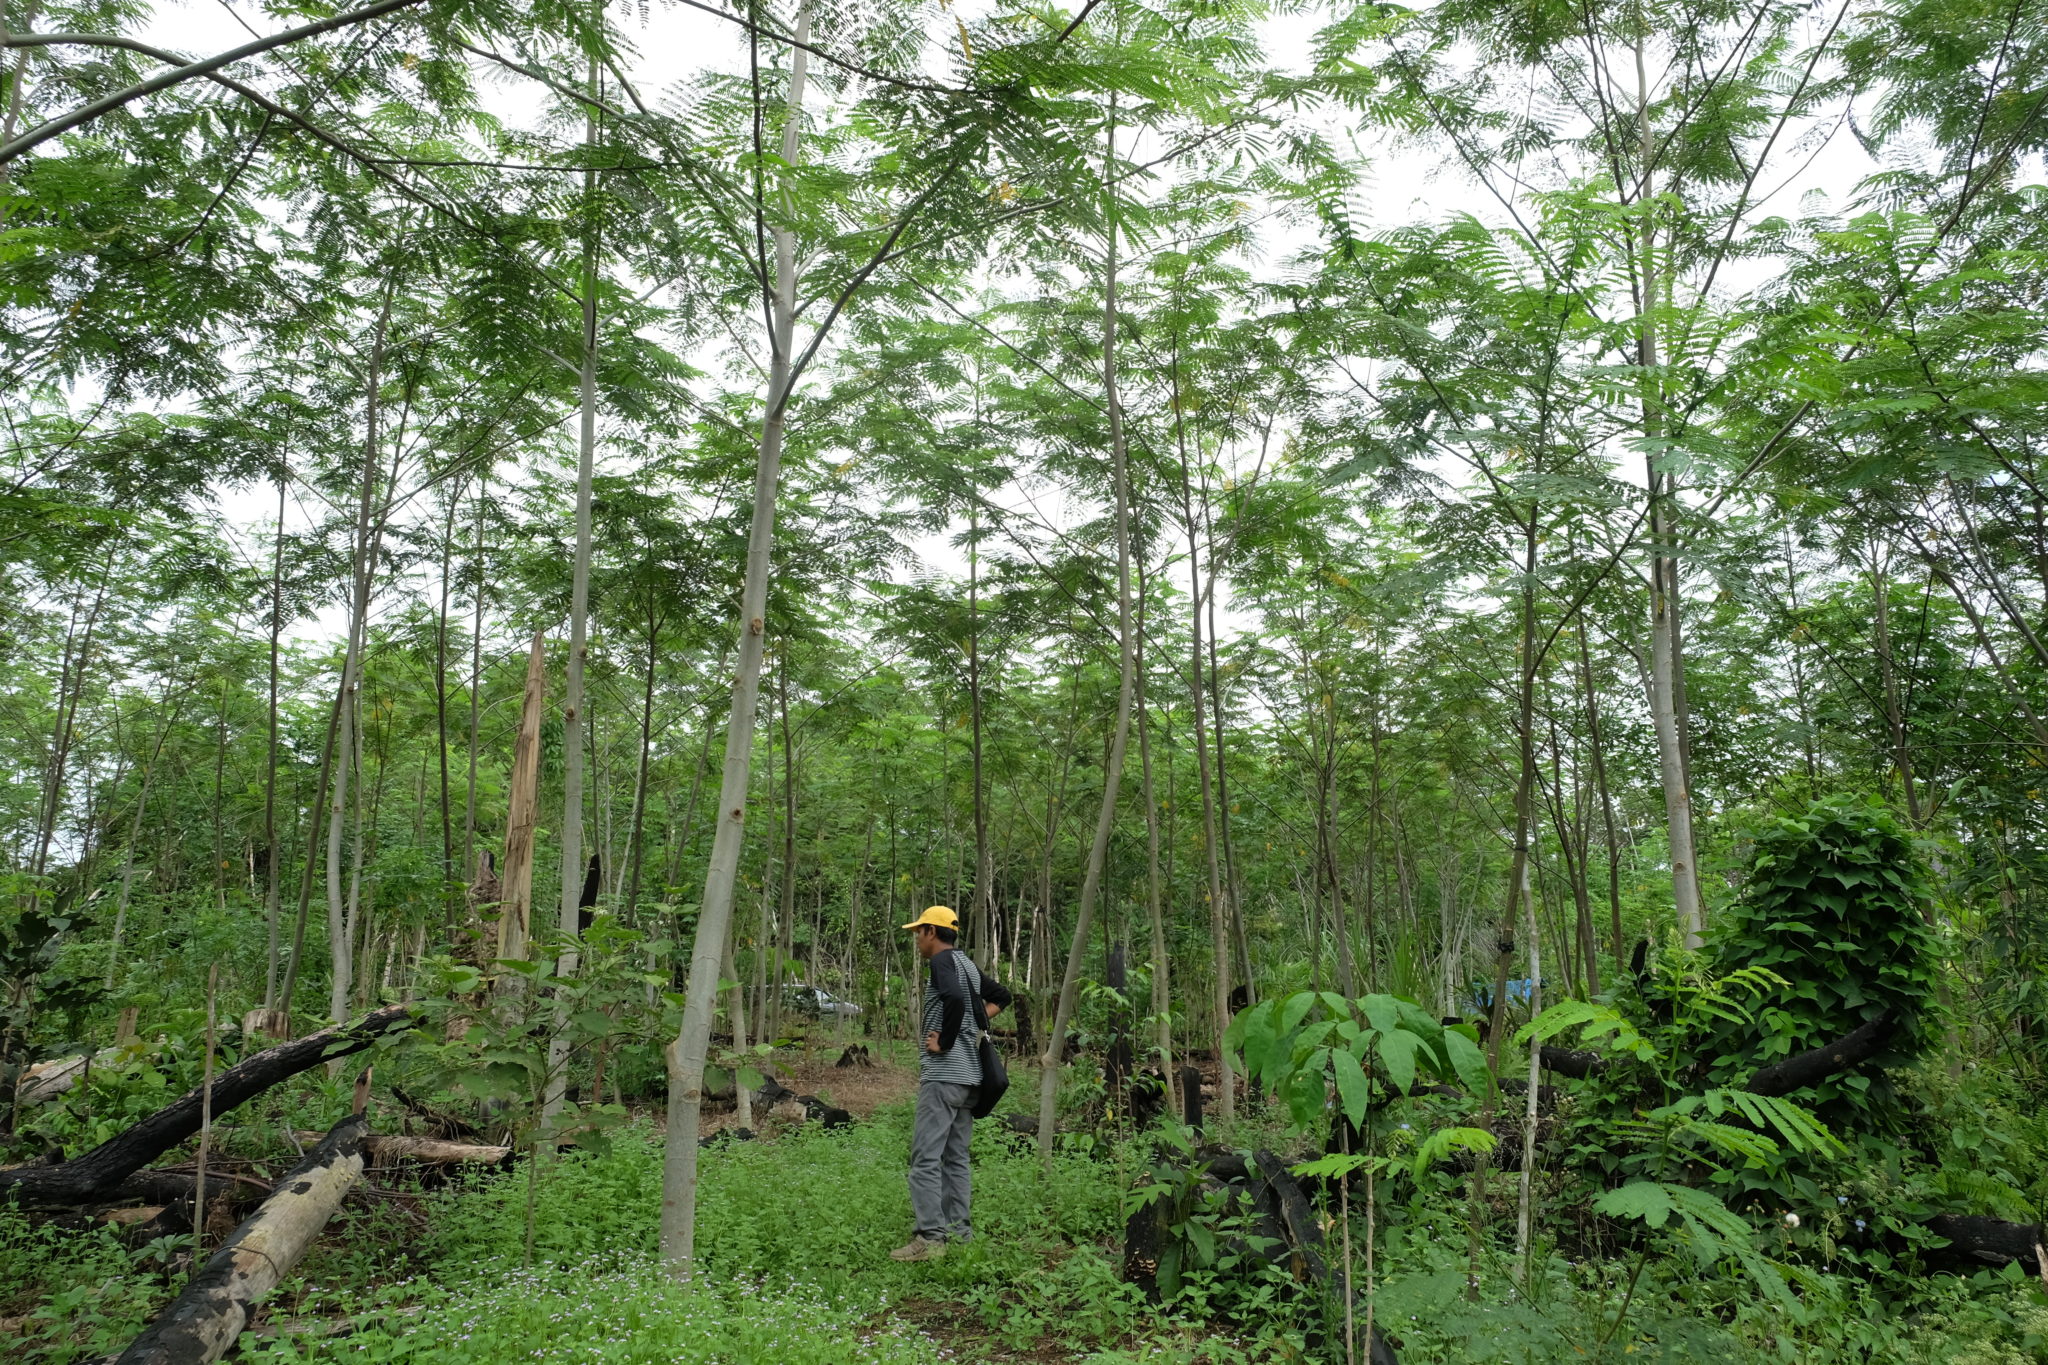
(815, 1002)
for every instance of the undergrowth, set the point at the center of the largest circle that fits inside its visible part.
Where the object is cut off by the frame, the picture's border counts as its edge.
(794, 1240)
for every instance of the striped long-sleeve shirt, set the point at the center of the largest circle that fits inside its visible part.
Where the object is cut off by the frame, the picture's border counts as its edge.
(949, 1012)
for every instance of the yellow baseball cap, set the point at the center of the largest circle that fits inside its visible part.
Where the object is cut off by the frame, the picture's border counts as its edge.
(937, 917)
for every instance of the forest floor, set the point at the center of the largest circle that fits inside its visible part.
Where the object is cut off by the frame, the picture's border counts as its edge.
(558, 1263)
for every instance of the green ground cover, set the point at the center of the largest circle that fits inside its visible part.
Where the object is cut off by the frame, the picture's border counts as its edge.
(794, 1242)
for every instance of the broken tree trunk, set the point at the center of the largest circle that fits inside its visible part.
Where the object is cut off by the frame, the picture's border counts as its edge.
(80, 1180)
(204, 1321)
(515, 913)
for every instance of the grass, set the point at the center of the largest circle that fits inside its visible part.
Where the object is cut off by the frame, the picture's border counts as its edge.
(793, 1242)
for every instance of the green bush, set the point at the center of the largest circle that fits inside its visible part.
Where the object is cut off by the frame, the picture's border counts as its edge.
(1834, 903)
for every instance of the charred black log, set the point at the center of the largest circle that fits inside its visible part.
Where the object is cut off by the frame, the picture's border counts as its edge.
(1118, 1058)
(205, 1320)
(1980, 1242)
(1303, 1250)
(1191, 1098)
(1810, 1068)
(586, 904)
(819, 1112)
(1577, 1065)
(81, 1180)
(1284, 1231)
(1147, 1097)
(856, 1055)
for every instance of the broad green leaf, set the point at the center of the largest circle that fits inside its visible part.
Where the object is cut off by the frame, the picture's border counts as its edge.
(1397, 1052)
(1469, 1063)
(1353, 1090)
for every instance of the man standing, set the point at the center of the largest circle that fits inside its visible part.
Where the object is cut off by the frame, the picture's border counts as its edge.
(948, 1078)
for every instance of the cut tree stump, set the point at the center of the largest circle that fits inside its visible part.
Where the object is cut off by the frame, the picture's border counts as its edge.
(81, 1180)
(204, 1321)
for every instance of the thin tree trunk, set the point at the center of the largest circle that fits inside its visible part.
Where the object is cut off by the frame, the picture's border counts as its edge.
(135, 834)
(1219, 929)
(636, 838)
(341, 910)
(362, 569)
(567, 923)
(313, 825)
(1326, 820)
(786, 919)
(1105, 822)
(1888, 675)
(476, 666)
(1524, 1202)
(1233, 908)
(441, 692)
(220, 764)
(1606, 797)
(1666, 666)
(272, 872)
(70, 688)
(686, 1055)
(984, 905)
(1162, 995)
(743, 1097)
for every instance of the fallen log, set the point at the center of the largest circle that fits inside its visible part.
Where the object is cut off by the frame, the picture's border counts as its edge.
(204, 1321)
(1810, 1068)
(387, 1150)
(1990, 1241)
(172, 1187)
(1577, 1065)
(80, 1180)
(42, 1082)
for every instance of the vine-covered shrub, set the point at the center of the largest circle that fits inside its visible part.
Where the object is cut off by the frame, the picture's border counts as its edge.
(1834, 905)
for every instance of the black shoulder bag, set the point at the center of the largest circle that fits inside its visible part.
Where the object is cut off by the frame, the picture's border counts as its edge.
(995, 1077)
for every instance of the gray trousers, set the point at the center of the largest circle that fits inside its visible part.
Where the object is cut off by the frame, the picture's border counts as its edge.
(938, 1160)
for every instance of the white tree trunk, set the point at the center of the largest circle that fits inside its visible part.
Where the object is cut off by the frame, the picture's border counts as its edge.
(579, 619)
(686, 1055)
(1112, 777)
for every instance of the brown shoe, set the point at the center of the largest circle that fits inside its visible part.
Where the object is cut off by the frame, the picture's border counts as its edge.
(919, 1249)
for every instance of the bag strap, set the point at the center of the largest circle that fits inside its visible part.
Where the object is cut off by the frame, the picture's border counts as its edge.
(973, 995)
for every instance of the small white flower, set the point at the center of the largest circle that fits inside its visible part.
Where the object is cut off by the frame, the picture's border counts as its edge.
(1791, 1220)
